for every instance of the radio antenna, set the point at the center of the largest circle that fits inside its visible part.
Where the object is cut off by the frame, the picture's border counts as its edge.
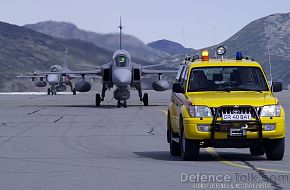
(183, 36)
(65, 65)
(270, 64)
(121, 28)
(214, 39)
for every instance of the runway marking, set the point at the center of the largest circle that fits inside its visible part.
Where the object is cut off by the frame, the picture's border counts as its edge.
(33, 112)
(31, 93)
(60, 118)
(163, 111)
(215, 155)
(151, 132)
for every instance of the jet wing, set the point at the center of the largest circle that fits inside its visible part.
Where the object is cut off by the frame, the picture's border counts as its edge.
(149, 71)
(91, 72)
(89, 66)
(31, 76)
(155, 65)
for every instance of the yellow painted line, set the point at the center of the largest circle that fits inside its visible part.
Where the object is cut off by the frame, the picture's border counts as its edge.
(215, 155)
(163, 111)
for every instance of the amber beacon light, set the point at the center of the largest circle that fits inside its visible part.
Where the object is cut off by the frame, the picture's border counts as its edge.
(204, 55)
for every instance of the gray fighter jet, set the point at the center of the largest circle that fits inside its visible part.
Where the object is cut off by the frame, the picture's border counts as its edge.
(121, 73)
(55, 77)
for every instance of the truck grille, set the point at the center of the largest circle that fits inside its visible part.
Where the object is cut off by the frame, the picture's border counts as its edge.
(236, 110)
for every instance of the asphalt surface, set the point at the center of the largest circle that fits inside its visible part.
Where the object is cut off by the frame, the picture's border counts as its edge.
(64, 142)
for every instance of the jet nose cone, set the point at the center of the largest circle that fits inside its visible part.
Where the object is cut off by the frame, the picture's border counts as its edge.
(121, 77)
(52, 79)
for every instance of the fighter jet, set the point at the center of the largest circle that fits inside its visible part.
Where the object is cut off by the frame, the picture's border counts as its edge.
(55, 77)
(122, 73)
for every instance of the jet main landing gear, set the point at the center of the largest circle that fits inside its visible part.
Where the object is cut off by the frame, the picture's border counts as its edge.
(145, 99)
(51, 91)
(74, 91)
(98, 100)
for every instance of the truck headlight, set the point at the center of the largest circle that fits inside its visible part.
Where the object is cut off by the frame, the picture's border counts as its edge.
(200, 111)
(271, 111)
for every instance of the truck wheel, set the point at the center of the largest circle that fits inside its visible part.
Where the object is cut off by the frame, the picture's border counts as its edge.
(174, 146)
(168, 127)
(257, 150)
(275, 149)
(189, 148)
(168, 135)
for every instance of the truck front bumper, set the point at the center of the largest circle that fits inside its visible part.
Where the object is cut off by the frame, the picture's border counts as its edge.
(191, 130)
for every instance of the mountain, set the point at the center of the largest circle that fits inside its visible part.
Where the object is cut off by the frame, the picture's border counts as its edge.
(170, 47)
(23, 51)
(253, 40)
(110, 41)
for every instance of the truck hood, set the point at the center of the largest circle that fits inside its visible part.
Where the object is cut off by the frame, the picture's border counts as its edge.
(217, 99)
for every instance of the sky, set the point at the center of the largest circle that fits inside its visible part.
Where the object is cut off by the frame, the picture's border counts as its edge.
(193, 23)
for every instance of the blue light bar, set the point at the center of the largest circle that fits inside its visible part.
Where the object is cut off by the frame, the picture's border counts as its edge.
(239, 55)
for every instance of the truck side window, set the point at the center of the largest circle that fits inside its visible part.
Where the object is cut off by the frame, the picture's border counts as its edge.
(183, 79)
(179, 73)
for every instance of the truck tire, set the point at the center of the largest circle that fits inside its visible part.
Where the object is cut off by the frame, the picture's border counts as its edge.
(168, 127)
(189, 148)
(275, 149)
(257, 150)
(174, 146)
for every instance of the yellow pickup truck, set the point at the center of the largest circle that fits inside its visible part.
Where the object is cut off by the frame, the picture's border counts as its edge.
(224, 103)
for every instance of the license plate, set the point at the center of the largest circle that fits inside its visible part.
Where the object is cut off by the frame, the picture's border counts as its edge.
(240, 117)
(237, 132)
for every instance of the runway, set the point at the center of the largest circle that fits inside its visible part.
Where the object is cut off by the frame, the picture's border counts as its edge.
(65, 142)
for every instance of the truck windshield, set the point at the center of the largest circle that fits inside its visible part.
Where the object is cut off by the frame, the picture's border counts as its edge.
(227, 79)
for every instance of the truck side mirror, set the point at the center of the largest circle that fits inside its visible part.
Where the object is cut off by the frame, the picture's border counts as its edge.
(177, 88)
(276, 87)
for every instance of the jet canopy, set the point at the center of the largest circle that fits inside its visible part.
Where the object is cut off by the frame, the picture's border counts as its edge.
(55, 68)
(121, 58)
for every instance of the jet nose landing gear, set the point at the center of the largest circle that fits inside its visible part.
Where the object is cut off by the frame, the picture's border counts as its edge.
(122, 103)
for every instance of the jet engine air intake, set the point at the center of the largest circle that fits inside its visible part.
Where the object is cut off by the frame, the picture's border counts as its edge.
(136, 75)
(107, 76)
